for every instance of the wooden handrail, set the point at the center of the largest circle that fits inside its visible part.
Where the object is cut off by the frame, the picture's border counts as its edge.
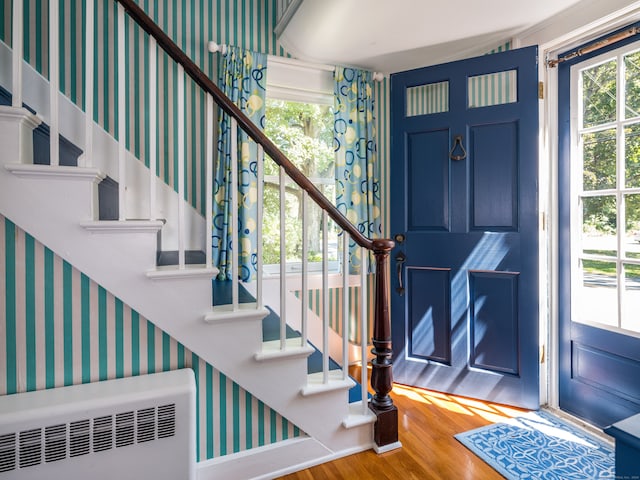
(201, 78)
(386, 427)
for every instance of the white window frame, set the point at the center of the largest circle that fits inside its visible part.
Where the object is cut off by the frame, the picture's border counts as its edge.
(577, 191)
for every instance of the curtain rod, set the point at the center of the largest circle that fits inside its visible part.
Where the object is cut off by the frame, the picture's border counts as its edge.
(595, 46)
(214, 47)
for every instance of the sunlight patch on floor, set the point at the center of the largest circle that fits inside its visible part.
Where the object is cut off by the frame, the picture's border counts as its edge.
(461, 405)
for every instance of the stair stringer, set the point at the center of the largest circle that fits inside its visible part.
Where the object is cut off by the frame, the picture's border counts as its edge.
(52, 210)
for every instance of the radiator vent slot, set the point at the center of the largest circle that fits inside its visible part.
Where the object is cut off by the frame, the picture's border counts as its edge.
(124, 429)
(167, 421)
(79, 438)
(7, 452)
(146, 424)
(75, 439)
(30, 447)
(102, 433)
(55, 443)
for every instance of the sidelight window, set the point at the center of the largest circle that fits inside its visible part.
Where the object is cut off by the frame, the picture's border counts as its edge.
(605, 190)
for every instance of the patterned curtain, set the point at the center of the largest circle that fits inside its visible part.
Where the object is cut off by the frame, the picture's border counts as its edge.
(242, 77)
(357, 168)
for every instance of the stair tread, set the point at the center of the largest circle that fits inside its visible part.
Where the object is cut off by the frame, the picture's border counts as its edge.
(61, 171)
(186, 271)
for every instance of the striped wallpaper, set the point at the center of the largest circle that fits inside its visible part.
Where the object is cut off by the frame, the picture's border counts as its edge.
(428, 99)
(483, 91)
(61, 328)
(336, 305)
(492, 89)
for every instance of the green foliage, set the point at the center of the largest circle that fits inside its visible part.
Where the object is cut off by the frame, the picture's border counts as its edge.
(599, 98)
(304, 133)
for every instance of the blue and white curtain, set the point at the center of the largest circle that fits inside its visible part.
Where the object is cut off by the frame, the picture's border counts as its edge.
(356, 168)
(242, 77)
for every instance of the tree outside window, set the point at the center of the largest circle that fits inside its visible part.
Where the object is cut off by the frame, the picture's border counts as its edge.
(304, 133)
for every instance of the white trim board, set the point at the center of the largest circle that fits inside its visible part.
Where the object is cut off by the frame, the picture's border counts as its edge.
(271, 461)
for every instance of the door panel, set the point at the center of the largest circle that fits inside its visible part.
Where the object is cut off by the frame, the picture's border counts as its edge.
(428, 180)
(466, 318)
(494, 321)
(429, 314)
(494, 178)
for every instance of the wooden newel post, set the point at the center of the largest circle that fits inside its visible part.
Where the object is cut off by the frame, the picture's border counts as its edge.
(386, 426)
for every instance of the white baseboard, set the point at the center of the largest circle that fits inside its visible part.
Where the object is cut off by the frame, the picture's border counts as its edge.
(271, 461)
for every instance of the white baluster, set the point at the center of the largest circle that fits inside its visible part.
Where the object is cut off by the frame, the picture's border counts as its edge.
(305, 271)
(86, 159)
(209, 181)
(122, 150)
(345, 305)
(153, 126)
(283, 262)
(234, 214)
(260, 174)
(325, 298)
(18, 52)
(54, 81)
(364, 255)
(181, 201)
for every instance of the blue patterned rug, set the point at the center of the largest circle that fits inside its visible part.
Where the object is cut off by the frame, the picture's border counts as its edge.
(538, 445)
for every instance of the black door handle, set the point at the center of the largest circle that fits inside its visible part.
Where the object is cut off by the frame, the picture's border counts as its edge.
(400, 259)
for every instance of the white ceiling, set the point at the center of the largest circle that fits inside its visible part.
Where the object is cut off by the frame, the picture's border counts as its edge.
(395, 35)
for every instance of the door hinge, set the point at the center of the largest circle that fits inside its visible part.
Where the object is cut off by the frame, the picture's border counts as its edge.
(541, 90)
(542, 354)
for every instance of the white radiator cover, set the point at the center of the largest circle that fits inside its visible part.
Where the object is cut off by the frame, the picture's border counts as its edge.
(131, 428)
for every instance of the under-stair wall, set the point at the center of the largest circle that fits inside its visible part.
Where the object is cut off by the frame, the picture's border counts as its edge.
(61, 328)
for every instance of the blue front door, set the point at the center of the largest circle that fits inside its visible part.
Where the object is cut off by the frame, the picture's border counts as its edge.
(464, 169)
(599, 233)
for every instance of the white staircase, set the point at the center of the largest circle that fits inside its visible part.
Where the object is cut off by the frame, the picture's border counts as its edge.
(58, 206)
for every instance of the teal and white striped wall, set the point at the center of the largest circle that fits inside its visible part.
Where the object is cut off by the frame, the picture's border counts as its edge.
(61, 328)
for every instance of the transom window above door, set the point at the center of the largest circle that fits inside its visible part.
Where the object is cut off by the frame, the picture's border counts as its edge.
(605, 190)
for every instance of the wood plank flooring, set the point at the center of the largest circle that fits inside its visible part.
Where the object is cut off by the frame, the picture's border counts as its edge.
(427, 422)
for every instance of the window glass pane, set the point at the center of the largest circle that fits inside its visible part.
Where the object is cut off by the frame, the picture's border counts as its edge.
(595, 298)
(632, 155)
(632, 76)
(599, 94)
(599, 225)
(493, 89)
(632, 225)
(631, 309)
(304, 133)
(428, 99)
(599, 160)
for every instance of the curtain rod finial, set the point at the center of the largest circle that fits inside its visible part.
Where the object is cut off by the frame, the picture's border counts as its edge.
(378, 76)
(214, 47)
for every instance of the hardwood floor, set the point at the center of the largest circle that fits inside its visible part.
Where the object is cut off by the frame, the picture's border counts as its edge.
(427, 422)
